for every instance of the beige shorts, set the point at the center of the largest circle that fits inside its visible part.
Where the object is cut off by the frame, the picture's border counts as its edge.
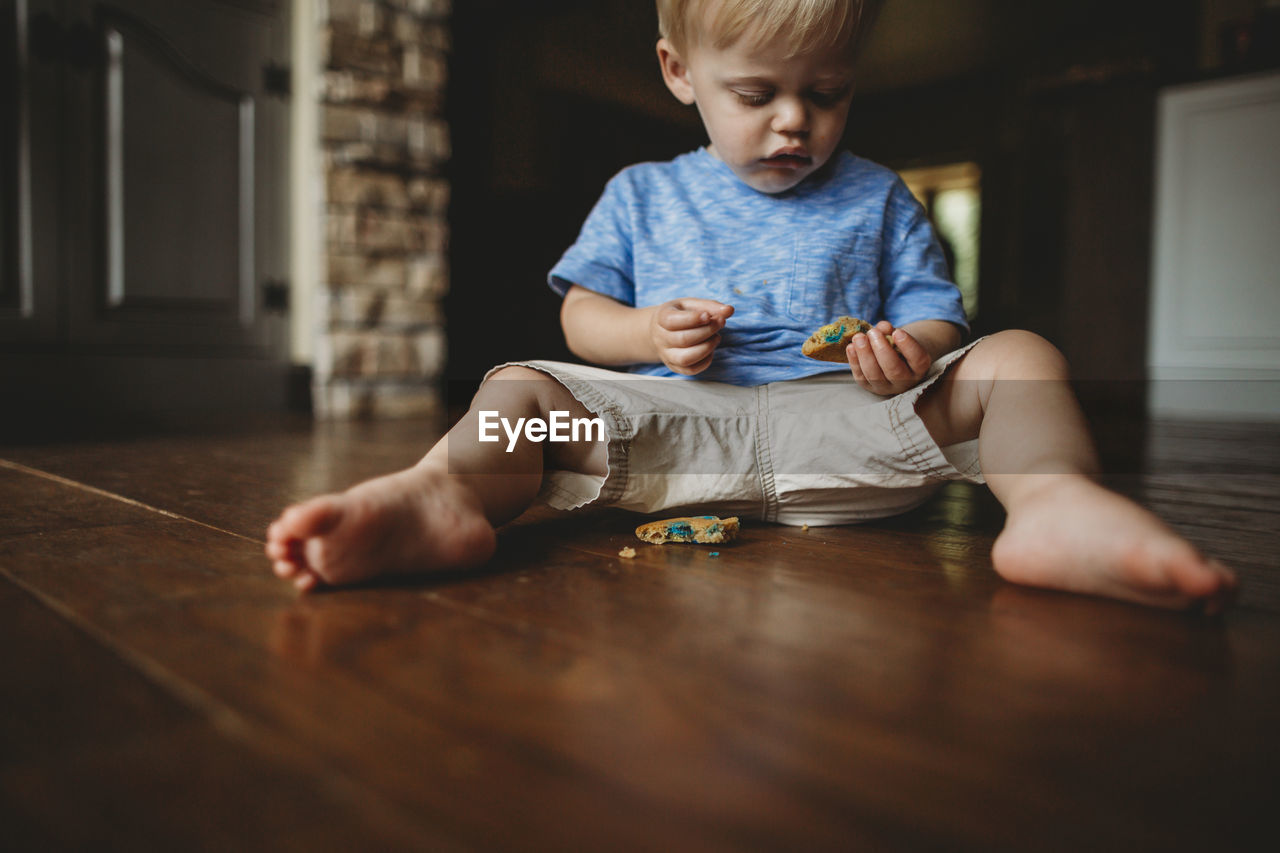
(814, 451)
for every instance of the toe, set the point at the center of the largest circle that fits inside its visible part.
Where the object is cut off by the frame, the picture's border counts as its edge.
(314, 554)
(306, 582)
(1198, 577)
(313, 518)
(285, 569)
(1224, 594)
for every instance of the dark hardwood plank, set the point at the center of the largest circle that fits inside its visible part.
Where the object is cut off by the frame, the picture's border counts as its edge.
(192, 611)
(874, 686)
(1212, 448)
(95, 756)
(1004, 683)
(1198, 477)
(34, 504)
(237, 480)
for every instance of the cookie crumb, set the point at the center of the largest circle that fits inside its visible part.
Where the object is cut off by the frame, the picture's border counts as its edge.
(627, 553)
(804, 528)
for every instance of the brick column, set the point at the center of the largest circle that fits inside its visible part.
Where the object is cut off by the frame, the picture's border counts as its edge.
(380, 349)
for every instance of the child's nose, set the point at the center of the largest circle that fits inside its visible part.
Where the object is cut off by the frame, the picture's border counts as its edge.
(791, 116)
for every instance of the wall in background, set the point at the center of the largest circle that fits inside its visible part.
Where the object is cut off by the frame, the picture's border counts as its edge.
(373, 197)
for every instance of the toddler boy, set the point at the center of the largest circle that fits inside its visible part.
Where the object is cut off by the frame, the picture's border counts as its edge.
(702, 277)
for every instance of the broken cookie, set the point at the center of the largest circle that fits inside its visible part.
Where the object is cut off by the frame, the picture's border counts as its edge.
(830, 341)
(703, 529)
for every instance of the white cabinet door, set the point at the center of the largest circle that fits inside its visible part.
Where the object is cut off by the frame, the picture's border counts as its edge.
(1215, 319)
(175, 175)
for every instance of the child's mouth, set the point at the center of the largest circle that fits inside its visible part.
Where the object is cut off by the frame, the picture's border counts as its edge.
(787, 160)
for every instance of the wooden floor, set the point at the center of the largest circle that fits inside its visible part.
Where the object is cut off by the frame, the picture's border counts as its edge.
(868, 688)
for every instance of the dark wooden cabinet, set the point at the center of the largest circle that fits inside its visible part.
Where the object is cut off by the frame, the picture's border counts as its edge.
(30, 303)
(144, 208)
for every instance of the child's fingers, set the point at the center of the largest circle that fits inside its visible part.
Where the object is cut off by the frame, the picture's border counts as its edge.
(675, 319)
(681, 338)
(894, 369)
(855, 367)
(689, 313)
(691, 360)
(866, 363)
(918, 358)
(712, 307)
(697, 367)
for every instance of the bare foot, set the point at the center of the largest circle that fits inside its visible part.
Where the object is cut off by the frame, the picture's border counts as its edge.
(1075, 535)
(415, 520)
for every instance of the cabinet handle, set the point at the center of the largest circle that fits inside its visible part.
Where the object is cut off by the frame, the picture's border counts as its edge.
(275, 296)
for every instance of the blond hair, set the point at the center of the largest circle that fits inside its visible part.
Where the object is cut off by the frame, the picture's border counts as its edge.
(802, 25)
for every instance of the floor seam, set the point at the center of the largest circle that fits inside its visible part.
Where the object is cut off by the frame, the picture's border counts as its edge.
(75, 484)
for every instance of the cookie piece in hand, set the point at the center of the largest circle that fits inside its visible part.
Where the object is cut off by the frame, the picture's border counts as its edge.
(829, 342)
(703, 528)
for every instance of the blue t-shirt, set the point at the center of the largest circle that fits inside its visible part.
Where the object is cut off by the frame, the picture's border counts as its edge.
(850, 240)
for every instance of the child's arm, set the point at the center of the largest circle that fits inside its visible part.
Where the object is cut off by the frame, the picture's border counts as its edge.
(879, 367)
(682, 333)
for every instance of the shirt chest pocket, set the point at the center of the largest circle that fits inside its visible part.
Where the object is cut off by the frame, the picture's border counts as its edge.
(835, 275)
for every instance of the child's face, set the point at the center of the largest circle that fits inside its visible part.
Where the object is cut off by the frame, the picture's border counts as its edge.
(773, 119)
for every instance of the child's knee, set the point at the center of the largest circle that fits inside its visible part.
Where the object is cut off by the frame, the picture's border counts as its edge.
(517, 373)
(525, 387)
(523, 391)
(512, 389)
(1019, 354)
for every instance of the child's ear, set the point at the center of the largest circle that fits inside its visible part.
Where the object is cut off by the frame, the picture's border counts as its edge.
(675, 73)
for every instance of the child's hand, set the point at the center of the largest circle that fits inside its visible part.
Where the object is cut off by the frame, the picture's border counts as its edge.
(878, 367)
(687, 331)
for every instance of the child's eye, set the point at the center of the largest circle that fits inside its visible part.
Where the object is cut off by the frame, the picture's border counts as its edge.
(754, 99)
(827, 98)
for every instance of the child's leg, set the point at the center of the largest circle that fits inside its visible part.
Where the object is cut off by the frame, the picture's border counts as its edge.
(441, 513)
(1063, 530)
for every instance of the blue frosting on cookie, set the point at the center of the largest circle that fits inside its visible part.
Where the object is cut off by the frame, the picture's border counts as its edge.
(680, 530)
